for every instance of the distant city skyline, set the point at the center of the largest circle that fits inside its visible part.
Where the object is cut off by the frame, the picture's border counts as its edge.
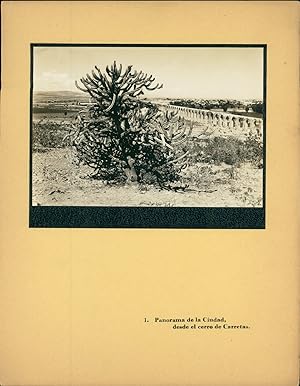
(185, 72)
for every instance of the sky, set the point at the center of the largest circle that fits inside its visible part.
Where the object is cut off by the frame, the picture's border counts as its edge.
(185, 72)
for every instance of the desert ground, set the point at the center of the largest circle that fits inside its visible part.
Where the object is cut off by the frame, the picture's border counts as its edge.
(57, 180)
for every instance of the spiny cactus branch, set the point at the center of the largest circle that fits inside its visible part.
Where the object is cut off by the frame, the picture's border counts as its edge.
(114, 87)
(171, 134)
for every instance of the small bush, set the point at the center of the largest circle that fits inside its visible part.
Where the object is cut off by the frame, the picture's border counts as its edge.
(229, 150)
(254, 149)
(48, 134)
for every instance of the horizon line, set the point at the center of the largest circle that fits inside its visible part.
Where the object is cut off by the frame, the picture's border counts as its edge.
(154, 97)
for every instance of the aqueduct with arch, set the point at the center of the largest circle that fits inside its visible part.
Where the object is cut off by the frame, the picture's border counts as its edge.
(219, 122)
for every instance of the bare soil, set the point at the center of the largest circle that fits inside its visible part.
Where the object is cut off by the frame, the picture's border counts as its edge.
(58, 180)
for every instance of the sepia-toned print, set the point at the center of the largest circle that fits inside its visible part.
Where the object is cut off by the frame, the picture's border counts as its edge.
(157, 126)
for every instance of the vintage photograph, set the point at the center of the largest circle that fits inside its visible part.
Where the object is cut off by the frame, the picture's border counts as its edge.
(147, 126)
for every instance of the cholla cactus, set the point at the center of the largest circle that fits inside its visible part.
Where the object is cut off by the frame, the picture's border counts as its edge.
(113, 91)
(121, 136)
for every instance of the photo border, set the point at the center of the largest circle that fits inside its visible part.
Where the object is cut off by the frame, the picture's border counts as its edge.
(148, 217)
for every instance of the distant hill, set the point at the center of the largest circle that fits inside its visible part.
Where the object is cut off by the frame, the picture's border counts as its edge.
(61, 96)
